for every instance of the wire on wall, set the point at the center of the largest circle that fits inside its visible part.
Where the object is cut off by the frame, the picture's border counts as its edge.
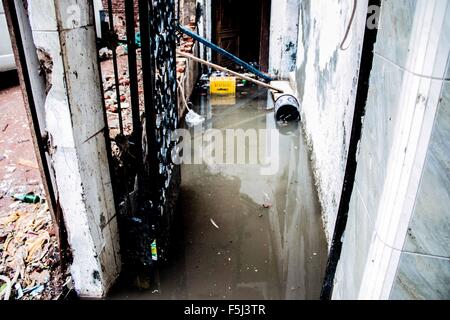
(350, 24)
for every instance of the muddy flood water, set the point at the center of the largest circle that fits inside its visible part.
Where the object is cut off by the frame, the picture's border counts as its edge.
(241, 234)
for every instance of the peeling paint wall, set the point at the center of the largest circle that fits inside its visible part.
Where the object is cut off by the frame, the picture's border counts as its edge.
(326, 78)
(204, 17)
(74, 120)
(284, 27)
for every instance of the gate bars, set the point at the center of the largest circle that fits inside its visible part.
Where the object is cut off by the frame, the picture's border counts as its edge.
(146, 179)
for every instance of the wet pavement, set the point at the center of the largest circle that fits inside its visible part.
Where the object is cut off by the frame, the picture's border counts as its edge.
(243, 235)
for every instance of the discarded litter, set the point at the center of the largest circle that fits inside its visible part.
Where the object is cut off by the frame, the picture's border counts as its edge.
(19, 291)
(5, 289)
(267, 204)
(27, 198)
(214, 223)
(37, 290)
(28, 251)
(105, 53)
(154, 251)
(193, 119)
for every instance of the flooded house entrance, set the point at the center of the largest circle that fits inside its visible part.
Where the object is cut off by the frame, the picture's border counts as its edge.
(242, 28)
(240, 234)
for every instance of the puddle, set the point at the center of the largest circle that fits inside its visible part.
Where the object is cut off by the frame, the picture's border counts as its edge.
(243, 235)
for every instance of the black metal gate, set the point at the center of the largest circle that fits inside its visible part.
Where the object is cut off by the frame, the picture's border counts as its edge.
(146, 182)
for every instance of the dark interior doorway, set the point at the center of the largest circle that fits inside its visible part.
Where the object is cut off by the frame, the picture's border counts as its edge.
(242, 28)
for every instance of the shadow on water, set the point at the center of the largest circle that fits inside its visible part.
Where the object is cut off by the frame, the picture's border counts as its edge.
(240, 234)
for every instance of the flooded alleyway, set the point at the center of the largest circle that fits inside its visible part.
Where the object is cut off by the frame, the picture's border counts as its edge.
(243, 235)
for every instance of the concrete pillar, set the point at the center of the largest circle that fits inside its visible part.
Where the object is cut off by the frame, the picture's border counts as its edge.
(284, 21)
(205, 27)
(64, 34)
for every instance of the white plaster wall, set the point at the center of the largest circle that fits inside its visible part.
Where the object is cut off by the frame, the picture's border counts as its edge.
(284, 25)
(205, 27)
(75, 123)
(326, 79)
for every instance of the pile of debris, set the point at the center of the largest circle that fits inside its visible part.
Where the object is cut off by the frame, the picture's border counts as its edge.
(186, 44)
(30, 265)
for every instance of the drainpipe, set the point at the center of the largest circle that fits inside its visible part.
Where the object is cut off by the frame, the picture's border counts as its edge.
(367, 55)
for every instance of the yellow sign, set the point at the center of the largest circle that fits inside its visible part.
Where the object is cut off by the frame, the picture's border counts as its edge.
(222, 85)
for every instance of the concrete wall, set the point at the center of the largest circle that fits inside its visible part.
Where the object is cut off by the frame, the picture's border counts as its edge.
(325, 79)
(424, 268)
(284, 26)
(205, 27)
(396, 242)
(77, 146)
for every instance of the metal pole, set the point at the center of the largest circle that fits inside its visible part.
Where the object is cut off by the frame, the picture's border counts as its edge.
(225, 53)
(113, 44)
(215, 66)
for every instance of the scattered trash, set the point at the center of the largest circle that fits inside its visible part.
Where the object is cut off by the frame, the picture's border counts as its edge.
(105, 53)
(19, 291)
(37, 290)
(5, 127)
(192, 119)
(29, 252)
(27, 198)
(214, 223)
(154, 251)
(5, 289)
(2, 157)
(267, 203)
(68, 283)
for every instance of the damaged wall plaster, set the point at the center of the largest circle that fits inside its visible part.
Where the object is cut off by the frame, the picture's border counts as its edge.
(75, 124)
(326, 80)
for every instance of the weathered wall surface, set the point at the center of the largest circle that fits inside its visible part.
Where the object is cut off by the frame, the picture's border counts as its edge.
(402, 182)
(77, 146)
(284, 26)
(326, 78)
(424, 269)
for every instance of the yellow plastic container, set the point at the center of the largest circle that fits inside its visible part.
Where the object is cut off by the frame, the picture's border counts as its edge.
(222, 85)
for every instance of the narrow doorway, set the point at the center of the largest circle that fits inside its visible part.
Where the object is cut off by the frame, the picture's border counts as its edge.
(242, 28)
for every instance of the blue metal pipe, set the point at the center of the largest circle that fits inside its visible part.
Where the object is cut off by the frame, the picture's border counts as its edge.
(224, 53)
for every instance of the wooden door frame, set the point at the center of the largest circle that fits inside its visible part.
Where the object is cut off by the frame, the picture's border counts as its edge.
(264, 29)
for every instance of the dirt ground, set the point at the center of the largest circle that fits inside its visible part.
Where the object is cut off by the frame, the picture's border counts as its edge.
(29, 256)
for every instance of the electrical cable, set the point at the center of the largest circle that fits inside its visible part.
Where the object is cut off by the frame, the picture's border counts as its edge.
(350, 23)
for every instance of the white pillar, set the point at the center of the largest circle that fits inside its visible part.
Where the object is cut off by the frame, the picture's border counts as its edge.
(284, 21)
(65, 30)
